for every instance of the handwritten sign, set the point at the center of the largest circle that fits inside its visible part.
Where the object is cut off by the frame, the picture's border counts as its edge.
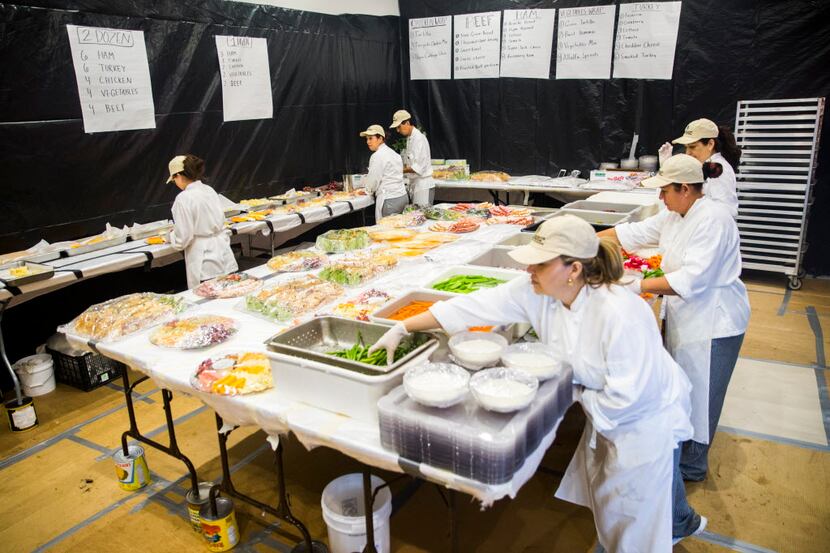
(477, 42)
(646, 40)
(430, 48)
(246, 78)
(113, 78)
(583, 45)
(527, 40)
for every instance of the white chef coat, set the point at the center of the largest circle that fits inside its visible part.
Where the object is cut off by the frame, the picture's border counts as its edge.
(199, 230)
(385, 178)
(724, 188)
(419, 158)
(634, 394)
(702, 262)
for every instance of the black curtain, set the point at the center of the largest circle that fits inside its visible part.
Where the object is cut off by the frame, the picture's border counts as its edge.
(331, 77)
(726, 52)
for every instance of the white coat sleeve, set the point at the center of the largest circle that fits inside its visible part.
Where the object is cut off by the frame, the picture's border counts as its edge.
(183, 218)
(633, 236)
(701, 258)
(503, 304)
(419, 157)
(626, 343)
(373, 178)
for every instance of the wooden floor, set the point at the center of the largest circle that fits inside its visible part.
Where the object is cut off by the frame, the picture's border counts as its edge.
(768, 488)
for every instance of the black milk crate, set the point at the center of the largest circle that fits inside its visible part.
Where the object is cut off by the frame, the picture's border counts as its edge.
(87, 371)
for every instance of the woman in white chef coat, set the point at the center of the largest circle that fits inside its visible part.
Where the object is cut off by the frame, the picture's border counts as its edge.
(417, 159)
(706, 304)
(635, 396)
(199, 223)
(385, 178)
(707, 142)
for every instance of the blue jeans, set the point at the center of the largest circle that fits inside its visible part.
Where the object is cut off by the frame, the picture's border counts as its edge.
(694, 461)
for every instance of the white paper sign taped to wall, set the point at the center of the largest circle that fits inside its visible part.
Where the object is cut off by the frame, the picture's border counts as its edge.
(476, 45)
(584, 42)
(430, 48)
(113, 78)
(246, 78)
(526, 43)
(646, 40)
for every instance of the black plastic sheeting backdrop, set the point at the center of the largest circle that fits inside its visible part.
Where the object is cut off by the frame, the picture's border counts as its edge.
(726, 52)
(331, 77)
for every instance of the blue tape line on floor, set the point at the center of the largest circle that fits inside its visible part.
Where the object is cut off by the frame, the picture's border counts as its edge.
(824, 401)
(785, 302)
(732, 543)
(815, 324)
(772, 438)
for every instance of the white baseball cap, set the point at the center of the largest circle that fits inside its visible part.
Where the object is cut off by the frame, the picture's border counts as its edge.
(561, 235)
(373, 130)
(176, 165)
(697, 130)
(400, 116)
(681, 168)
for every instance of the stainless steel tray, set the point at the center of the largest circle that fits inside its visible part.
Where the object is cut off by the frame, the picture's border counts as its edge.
(312, 340)
(294, 199)
(151, 230)
(97, 246)
(260, 207)
(498, 257)
(517, 240)
(46, 272)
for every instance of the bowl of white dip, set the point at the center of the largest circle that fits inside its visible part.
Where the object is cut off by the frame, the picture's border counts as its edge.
(436, 384)
(533, 358)
(503, 390)
(476, 350)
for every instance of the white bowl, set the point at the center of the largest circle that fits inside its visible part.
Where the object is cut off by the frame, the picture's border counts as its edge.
(534, 358)
(436, 384)
(503, 390)
(476, 350)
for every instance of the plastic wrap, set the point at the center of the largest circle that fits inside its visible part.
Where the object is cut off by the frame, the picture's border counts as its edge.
(359, 269)
(291, 299)
(228, 286)
(297, 261)
(342, 240)
(361, 306)
(403, 220)
(121, 317)
(234, 374)
(194, 332)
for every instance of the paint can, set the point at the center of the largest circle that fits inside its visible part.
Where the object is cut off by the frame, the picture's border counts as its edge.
(195, 500)
(131, 469)
(22, 415)
(219, 524)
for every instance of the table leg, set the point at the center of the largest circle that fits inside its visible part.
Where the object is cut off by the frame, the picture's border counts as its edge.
(283, 509)
(368, 507)
(173, 448)
(6, 363)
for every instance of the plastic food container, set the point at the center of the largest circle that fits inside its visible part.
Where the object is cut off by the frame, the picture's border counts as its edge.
(535, 359)
(498, 257)
(503, 390)
(476, 350)
(473, 270)
(436, 384)
(517, 240)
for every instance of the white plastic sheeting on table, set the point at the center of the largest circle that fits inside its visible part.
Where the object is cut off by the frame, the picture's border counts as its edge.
(275, 412)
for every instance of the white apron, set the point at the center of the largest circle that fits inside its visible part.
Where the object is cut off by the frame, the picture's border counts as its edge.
(626, 477)
(419, 189)
(380, 197)
(208, 257)
(689, 334)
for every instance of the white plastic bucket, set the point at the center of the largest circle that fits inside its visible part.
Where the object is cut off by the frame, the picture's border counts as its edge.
(345, 518)
(36, 374)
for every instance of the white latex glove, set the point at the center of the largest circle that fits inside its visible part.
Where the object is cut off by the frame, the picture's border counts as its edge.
(390, 341)
(664, 153)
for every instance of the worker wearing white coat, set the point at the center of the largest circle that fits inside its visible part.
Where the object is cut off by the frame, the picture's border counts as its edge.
(199, 223)
(417, 159)
(635, 396)
(706, 304)
(707, 142)
(385, 178)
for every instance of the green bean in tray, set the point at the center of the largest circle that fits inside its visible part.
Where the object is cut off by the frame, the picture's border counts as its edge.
(360, 352)
(464, 284)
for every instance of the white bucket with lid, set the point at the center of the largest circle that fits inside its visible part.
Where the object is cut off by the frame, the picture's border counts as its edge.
(36, 374)
(345, 518)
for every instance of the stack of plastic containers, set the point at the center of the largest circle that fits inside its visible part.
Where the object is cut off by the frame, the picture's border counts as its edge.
(468, 440)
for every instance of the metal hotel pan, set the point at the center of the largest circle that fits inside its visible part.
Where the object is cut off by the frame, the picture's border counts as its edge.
(46, 273)
(312, 340)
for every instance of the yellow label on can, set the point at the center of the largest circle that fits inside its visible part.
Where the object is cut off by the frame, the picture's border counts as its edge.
(221, 534)
(132, 472)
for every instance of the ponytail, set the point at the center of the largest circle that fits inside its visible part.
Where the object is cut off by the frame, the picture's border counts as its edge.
(712, 170)
(727, 147)
(605, 268)
(194, 167)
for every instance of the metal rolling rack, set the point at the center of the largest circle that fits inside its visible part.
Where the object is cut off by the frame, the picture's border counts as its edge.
(779, 142)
